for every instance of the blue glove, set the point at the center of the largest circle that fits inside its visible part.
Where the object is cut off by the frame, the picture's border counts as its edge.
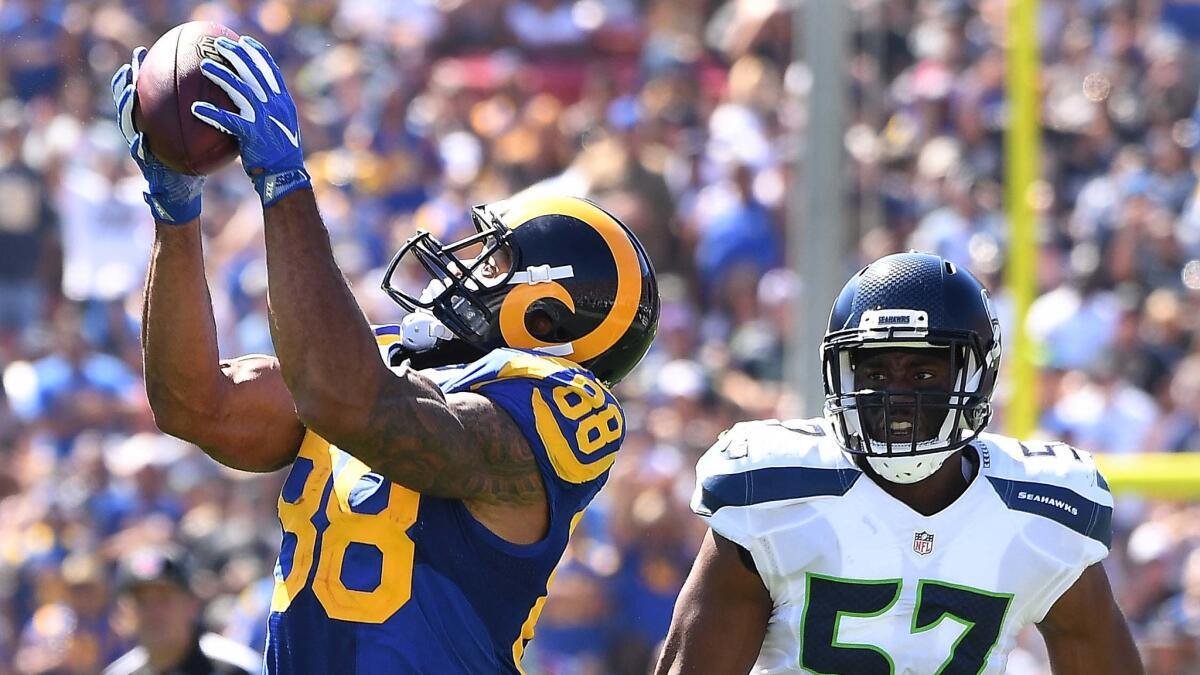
(265, 124)
(174, 198)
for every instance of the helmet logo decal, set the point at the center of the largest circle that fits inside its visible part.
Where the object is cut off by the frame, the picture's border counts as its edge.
(628, 293)
(987, 304)
(517, 302)
(894, 322)
(993, 355)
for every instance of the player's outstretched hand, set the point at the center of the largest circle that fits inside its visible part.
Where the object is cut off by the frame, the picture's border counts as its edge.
(265, 123)
(174, 198)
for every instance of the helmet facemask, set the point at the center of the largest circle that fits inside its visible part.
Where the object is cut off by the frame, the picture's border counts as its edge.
(460, 285)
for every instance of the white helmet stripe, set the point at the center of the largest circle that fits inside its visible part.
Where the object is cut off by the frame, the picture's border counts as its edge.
(542, 274)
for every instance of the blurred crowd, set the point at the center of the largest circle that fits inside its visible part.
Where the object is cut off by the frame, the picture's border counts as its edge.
(682, 117)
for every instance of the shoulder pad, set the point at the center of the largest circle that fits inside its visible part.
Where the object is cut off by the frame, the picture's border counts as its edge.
(771, 461)
(516, 363)
(572, 414)
(505, 363)
(1049, 479)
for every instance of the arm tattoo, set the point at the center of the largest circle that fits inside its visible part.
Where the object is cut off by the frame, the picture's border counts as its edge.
(464, 448)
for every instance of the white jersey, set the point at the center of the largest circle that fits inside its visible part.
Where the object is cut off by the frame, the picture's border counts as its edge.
(863, 584)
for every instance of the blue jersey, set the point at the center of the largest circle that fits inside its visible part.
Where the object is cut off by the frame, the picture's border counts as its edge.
(375, 578)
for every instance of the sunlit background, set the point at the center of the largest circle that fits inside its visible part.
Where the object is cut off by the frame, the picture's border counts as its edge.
(763, 150)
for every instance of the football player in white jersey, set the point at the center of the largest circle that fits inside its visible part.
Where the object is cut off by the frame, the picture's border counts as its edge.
(892, 535)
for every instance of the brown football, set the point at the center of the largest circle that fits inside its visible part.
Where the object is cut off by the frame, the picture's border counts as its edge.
(168, 83)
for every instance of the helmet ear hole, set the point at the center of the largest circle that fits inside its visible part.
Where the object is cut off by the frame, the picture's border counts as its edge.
(542, 323)
(539, 324)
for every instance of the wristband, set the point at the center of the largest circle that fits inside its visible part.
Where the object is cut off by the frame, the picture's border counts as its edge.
(271, 187)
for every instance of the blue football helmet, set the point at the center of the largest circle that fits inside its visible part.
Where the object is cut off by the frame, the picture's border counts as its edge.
(553, 274)
(911, 301)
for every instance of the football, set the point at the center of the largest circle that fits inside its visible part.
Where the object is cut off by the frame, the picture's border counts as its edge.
(168, 83)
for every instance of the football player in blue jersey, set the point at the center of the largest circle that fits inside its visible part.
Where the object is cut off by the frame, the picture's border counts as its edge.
(894, 535)
(432, 491)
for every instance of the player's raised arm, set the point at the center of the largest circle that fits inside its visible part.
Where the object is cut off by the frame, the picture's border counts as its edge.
(458, 446)
(721, 615)
(239, 412)
(1085, 632)
(403, 427)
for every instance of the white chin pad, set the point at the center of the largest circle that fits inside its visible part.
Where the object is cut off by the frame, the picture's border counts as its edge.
(906, 470)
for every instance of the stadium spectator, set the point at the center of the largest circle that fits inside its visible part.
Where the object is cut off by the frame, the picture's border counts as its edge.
(166, 617)
(28, 227)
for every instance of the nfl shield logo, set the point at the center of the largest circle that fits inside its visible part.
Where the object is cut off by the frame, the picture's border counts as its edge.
(923, 543)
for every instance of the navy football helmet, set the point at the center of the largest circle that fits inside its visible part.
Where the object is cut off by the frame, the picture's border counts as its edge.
(911, 301)
(554, 274)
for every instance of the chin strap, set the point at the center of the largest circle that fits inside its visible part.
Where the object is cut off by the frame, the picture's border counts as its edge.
(421, 331)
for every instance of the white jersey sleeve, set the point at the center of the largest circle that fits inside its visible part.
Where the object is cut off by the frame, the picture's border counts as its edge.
(1068, 499)
(757, 467)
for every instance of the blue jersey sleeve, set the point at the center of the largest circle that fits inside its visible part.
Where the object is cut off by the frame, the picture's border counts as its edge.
(573, 423)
